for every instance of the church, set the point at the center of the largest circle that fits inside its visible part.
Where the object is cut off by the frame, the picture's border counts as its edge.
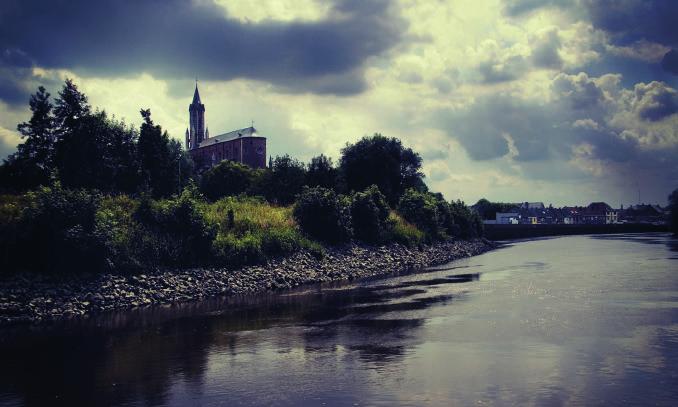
(245, 146)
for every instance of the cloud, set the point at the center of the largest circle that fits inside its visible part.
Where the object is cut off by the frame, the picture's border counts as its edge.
(655, 101)
(178, 39)
(516, 8)
(629, 21)
(545, 50)
(591, 125)
(670, 62)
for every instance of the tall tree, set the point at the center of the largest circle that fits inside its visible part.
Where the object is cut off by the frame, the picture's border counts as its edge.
(383, 162)
(31, 164)
(159, 167)
(71, 105)
(321, 173)
(285, 180)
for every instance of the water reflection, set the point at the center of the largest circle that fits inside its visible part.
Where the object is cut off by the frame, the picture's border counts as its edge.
(572, 320)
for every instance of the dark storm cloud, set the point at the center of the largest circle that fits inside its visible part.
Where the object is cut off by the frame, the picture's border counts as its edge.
(655, 101)
(670, 62)
(596, 114)
(629, 21)
(177, 39)
(632, 20)
(515, 8)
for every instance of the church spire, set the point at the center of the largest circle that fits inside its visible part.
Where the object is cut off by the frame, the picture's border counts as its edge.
(196, 94)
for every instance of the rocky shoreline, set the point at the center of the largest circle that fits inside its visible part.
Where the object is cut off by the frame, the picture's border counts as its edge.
(36, 298)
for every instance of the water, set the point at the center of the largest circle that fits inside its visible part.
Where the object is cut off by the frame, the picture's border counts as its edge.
(581, 320)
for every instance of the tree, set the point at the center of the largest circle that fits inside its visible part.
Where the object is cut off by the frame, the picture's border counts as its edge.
(421, 209)
(31, 165)
(383, 162)
(226, 179)
(488, 210)
(323, 215)
(369, 214)
(673, 207)
(470, 223)
(159, 167)
(321, 173)
(70, 107)
(98, 153)
(285, 180)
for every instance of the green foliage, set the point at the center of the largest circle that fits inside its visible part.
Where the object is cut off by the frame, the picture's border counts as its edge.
(403, 232)
(369, 214)
(284, 180)
(673, 208)
(421, 209)
(71, 106)
(160, 165)
(98, 153)
(179, 232)
(322, 173)
(228, 178)
(383, 162)
(470, 223)
(254, 232)
(488, 210)
(57, 232)
(323, 215)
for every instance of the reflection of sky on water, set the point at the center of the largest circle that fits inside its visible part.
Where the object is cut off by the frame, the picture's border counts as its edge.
(573, 320)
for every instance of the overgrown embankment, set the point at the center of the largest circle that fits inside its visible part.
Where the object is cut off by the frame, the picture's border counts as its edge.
(33, 298)
(71, 252)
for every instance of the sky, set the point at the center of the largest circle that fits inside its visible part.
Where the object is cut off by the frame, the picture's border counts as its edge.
(560, 101)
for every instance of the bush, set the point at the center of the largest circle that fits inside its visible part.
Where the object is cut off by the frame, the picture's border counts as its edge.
(421, 208)
(57, 232)
(369, 214)
(179, 232)
(470, 223)
(323, 215)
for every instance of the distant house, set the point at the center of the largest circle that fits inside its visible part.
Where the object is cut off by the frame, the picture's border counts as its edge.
(644, 213)
(507, 218)
(598, 213)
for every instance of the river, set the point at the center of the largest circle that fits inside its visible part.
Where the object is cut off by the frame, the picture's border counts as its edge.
(577, 320)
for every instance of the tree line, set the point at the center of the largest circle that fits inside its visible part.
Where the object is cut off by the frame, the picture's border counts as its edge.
(85, 191)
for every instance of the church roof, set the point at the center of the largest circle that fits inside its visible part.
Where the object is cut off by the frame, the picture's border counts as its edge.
(231, 135)
(196, 95)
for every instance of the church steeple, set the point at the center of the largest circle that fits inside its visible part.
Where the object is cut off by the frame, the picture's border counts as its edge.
(196, 94)
(196, 112)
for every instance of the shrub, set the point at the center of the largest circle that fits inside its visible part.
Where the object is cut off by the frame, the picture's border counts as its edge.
(323, 215)
(369, 214)
(421, 208)
(179, 232)
(56, 232)
(470, 223)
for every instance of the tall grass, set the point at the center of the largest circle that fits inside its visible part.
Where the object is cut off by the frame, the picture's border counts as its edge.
(250, 230)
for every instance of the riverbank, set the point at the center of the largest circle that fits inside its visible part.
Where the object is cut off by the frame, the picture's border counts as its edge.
(510, 232)
(35, 298)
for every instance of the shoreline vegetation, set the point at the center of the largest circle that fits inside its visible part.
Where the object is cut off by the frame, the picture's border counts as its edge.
(87, 197)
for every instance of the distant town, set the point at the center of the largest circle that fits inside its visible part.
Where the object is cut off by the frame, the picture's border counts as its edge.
(596, 213)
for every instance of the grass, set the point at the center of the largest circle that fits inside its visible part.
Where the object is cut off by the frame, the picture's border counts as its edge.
(255, 231)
